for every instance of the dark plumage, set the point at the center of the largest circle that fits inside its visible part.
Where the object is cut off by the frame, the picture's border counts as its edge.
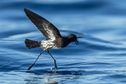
(52, 34)
(32, 44)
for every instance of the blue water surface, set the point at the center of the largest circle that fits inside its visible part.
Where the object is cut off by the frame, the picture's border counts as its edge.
(100, 57)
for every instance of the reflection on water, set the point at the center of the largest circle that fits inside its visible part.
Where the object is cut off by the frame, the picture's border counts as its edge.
(98, 59)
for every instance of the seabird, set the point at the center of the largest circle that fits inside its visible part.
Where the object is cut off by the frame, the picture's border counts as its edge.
(53, 37)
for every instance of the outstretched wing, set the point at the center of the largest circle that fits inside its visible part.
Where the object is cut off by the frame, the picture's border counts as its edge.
(47, 28)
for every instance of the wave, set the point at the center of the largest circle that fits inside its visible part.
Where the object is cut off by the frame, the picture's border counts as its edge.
(82, 5)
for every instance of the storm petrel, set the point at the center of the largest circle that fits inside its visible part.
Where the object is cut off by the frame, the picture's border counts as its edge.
(51, 33)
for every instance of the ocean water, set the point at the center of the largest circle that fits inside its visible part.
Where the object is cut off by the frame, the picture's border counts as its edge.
(100, 57)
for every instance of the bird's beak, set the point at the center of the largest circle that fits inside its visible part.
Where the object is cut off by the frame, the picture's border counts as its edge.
(79, 37)
(77, 42)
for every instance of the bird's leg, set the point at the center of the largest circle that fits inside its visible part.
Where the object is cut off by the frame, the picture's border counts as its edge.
(35, 61)
(55, 64)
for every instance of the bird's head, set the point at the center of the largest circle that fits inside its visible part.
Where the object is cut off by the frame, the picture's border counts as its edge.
(73, 38)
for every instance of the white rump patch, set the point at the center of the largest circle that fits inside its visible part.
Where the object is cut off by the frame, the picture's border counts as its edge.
(47, 44)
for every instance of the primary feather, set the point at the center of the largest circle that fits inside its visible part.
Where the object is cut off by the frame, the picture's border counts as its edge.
(47, 28)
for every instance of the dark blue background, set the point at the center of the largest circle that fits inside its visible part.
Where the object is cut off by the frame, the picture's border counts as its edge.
(100, 58)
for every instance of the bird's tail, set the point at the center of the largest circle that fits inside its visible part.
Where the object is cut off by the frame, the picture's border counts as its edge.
(32, 44)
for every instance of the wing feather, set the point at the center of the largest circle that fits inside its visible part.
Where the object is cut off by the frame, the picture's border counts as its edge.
(47, 28)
